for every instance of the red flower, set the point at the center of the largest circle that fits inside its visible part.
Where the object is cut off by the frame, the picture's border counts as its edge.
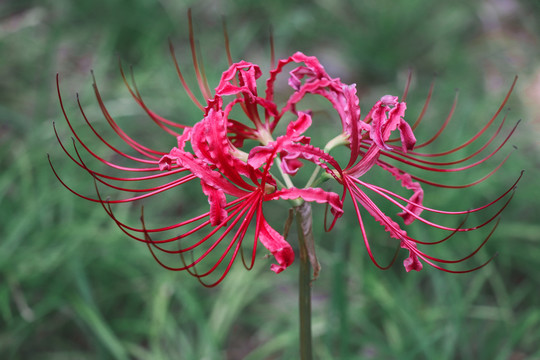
(370, 144)
(237, 180)
(235, 187)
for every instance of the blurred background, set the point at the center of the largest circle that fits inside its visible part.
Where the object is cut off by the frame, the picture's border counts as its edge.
(72, 286)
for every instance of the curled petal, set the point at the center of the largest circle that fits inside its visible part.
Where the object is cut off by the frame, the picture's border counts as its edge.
(185, 137)
(408, 140)
(395, 116)
(313, 70)
(296, 128)
(387, 115)
(296, 75)
(412, 262)
(217, 201)
(247, 72)
(315, 155)
(310, 194)
(290, 163)
(261, 154)
(166, 162)
(348, 108)
(278, 246)
(378, 117)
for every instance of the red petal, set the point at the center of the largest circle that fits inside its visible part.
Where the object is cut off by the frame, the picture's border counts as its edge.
(412, 262)
(310, 194)
(217, 201)
(408, 140)
(296, 128)
(248, 74)
(277, 245)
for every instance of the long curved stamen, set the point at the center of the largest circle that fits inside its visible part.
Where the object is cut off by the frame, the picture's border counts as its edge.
(425, 181)
(203, 85)
(101, 159)
(486, 126)
(237, 238)
(416, 157)
(407, 86)
(191, 268)
(127, 139)
(182, 80)
(439, 211)
(444, 124)
(405, 159)
(99, 176)
(380, 190)
(364, 234)
(149, 192)
(154, 156)
(152, 161)
(425, 108)
(126, 229)
(431, 263)
(159, 120)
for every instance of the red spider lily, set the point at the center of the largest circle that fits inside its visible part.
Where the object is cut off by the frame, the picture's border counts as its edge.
(235, 189)
(237, 180)
(369, 143)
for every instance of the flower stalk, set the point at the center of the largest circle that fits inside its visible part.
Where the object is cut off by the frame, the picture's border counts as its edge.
(304, 222)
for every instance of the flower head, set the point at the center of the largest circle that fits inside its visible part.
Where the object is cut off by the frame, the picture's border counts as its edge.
(237, 179)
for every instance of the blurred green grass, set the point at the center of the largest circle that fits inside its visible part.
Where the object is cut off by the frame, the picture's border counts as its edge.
(73, 287)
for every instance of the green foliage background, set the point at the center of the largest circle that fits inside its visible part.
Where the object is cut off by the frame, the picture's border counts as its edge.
(73, 287)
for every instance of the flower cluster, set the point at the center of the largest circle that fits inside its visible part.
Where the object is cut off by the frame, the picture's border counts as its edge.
(237, 178)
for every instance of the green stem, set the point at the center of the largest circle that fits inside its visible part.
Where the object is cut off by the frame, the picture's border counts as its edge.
(305, 237)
